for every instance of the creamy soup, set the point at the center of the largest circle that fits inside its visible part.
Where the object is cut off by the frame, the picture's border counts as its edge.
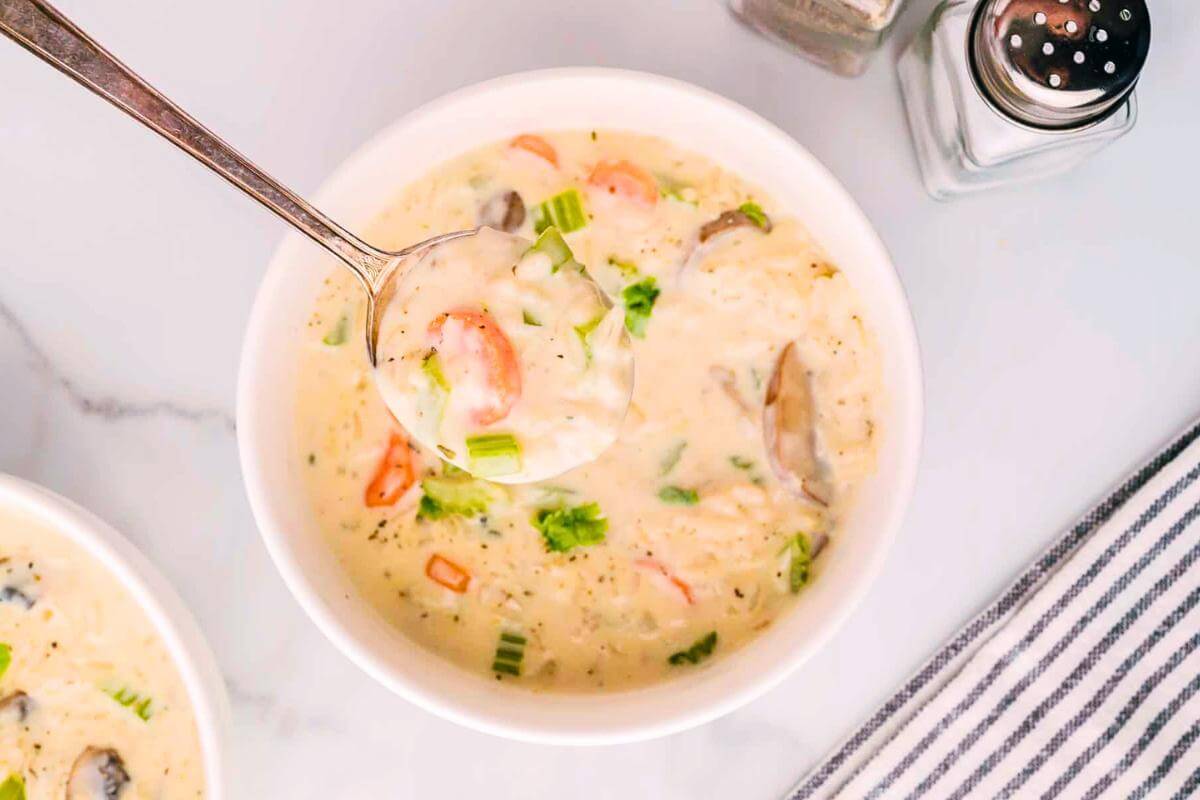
(91, 705)
(752, 421)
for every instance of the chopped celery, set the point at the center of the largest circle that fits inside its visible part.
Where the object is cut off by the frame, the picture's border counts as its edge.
(431, 365)
(434, 403)
(677, 496)
(494, 454)
(455, 496)
(510, 652)
(638, 299)
(133, 701)
(584, 333)
(5, 658)
(564, 528)
(563, 211)
(530, 319)
(701, 649)
(337, 334)
(756, 214)
(552, 244)
(451, 471)
(13, 788)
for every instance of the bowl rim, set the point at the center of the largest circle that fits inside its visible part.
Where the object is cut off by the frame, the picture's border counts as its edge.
(156, 597)
(276, 540)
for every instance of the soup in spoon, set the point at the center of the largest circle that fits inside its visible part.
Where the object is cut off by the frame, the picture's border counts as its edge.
(504, 357)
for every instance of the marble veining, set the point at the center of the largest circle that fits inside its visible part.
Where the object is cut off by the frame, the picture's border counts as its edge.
(106, 408)
(1068, 289)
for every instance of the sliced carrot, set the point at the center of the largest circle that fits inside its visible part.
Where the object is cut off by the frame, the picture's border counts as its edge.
(487, 343)
(625, 179)
(536, 145)
(447, 573)
(394, 474)
(684, 589)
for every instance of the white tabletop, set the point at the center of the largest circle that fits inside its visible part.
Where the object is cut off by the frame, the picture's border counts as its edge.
(1059, 324)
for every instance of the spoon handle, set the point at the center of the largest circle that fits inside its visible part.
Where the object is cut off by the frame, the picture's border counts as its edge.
(41, 29)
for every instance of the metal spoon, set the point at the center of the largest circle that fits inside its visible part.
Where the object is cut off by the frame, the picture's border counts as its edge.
(45, 32)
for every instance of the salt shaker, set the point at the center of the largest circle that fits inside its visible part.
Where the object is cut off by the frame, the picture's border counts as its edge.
(840, 35)
(1001, 91)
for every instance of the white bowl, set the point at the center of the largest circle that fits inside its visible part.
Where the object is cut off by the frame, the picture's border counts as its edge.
(572, 99)
(154, 595)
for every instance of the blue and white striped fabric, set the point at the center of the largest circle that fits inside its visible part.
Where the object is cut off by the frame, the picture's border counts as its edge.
(1080, 681)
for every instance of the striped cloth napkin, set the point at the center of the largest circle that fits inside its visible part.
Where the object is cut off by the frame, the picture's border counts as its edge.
(1079, 681)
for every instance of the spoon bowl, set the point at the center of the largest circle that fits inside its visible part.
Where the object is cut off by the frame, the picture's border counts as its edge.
(502, 355)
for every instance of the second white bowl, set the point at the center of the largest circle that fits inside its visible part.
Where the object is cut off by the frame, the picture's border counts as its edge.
(156, 598)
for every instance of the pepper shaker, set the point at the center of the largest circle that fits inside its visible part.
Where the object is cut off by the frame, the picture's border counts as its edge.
(1002, 91)
(840, 35)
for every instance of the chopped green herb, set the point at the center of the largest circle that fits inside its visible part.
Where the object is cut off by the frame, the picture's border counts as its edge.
(337, 334)
(13, 788)
(701, 649)
(672, 457)
(509, 654)
(133, 701)
(747, 466)
(552, 244)
(638, 299)
(455, 496)
(530, 319)
(628, 269)
(677, 496)
(800, 568)
(564, 528)
(563, 211)
(494, 454)
(5, 658)
(584, 333)
(756, 214)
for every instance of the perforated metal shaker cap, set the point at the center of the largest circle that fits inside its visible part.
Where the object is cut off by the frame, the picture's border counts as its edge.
(1058, 63)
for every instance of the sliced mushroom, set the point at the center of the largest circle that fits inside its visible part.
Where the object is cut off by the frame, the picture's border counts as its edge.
(816, 543)
(730, 220)
(15, 706)
(97, 774)
(11, 594)
(504, 212)
(18, 582)
(728, 383)
(789, 426)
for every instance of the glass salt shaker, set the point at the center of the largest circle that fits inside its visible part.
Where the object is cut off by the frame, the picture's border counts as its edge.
(840, 35)
(1002, 91)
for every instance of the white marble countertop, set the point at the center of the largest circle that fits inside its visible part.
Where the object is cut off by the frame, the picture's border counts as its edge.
(1059, 326)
